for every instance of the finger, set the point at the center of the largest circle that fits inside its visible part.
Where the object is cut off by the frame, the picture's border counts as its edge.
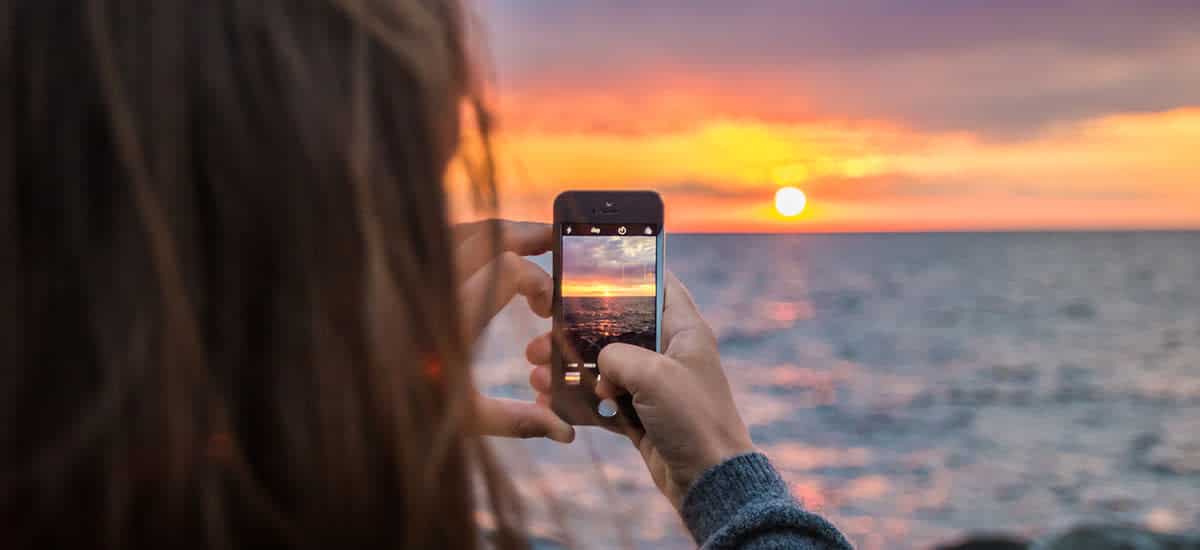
(679, 309)
(634, 432)
(490, 289)
(539, 379)
(462, 231)
(634, 369)
(685, 333)
(522, 419)
(537, 352)
(625, 428)
(479, 243)
(607, 389)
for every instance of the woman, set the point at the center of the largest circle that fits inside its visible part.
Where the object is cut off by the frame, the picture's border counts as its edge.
(232, 311)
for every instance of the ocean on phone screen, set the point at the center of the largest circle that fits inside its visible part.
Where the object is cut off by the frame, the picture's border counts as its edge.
(914, 388)
(594, 322)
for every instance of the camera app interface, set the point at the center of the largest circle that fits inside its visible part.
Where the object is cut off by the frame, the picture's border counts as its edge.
(608, 293)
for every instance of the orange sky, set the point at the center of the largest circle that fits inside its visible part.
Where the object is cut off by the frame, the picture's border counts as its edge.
(1082, 142)
(606, 288)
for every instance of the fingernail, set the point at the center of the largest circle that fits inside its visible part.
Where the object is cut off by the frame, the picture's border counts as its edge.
(607, 408)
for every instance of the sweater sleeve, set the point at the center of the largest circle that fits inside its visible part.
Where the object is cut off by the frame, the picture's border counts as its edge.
(743, 503)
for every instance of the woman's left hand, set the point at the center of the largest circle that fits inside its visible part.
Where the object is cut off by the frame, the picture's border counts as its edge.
(487, 282)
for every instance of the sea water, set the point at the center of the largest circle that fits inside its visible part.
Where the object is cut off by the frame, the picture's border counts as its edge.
(914, 388)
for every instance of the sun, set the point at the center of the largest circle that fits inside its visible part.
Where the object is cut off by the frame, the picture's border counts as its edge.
(790, 201)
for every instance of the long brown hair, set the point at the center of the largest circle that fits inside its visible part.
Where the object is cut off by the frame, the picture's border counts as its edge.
(227, 302)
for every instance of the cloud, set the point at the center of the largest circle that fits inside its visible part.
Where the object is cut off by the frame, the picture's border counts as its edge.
(891, 186)
(1001, 70)
(709, 189)
(628, 259)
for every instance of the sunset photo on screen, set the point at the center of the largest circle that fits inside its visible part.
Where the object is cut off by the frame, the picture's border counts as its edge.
(608, 292)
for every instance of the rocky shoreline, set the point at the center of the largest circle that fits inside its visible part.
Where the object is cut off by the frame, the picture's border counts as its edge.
(1086, 537)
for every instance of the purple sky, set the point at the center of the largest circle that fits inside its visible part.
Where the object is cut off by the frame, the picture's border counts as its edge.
(608, 258)
(998, 68)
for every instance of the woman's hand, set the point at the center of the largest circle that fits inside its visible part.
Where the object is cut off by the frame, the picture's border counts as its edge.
(682, 396)
(487, 282)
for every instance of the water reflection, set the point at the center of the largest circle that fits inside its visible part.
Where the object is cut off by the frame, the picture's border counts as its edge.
(915, 388)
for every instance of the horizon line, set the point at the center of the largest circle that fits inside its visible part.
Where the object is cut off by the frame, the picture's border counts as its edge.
(1011, 231)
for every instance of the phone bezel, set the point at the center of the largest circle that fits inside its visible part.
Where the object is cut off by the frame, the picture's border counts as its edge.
(576, 404)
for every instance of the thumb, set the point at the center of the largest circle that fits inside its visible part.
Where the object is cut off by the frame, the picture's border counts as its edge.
(680, 314)
(631, 368)
(513, 418)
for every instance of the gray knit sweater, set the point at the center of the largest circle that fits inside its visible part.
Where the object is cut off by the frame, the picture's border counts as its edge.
(743, 503)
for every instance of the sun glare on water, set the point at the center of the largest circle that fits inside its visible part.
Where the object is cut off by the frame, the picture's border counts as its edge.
(790, 201)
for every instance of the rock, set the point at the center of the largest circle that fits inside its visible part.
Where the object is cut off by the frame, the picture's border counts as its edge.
(1174, 450)
(1079, 311)
(987, 542)
(1109, 537)
(1011, 492)
(1086, 537)
(1174, 460)
(542, 543)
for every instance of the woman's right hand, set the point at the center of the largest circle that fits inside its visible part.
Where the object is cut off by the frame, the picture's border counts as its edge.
(689, 421)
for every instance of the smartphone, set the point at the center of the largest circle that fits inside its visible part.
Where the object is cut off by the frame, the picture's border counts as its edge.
(608, 287)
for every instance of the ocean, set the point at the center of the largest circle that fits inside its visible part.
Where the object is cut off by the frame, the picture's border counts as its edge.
(594, 322)
(915, 388)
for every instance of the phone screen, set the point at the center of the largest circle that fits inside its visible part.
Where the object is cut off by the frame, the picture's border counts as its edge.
(608, 291)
